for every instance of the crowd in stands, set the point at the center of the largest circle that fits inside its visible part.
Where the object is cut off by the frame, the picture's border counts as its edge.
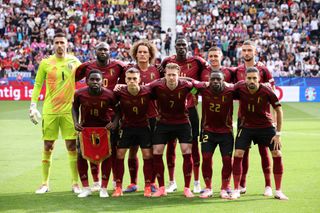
(286, 32)
(27, 28)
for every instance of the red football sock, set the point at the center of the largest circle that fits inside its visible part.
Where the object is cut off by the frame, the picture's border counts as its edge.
(187, 169)
(158, 169)
(95, 171)
(245, 167)
(82, 165)
(207, 168)
(277, 171)
(237, 171)
(105, 171)
(196, 159)
(171, 158)
(226, 172)
(119, 172)
(265, 163)
(147, 171)
(133, 165)
(114, 159)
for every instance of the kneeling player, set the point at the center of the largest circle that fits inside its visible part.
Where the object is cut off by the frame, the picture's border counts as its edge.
(91, 104)
(217, 109)
(134, 104)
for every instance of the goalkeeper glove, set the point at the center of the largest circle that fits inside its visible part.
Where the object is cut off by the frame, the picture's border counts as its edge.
(35, 115)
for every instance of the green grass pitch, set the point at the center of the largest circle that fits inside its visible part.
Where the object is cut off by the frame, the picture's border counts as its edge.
(20, 172)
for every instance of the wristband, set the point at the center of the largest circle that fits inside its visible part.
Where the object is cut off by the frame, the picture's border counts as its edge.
(278, 133)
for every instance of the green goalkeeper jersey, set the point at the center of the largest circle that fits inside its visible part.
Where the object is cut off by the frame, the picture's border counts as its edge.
(59, 74)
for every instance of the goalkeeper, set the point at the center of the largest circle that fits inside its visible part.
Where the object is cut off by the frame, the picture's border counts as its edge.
(58, 70)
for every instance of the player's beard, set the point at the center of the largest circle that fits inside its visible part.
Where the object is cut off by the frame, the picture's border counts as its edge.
(248, 59)
(95, 90)
(252, 86)
(103, 59)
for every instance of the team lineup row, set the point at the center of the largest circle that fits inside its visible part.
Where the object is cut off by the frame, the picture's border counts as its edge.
(175, 114)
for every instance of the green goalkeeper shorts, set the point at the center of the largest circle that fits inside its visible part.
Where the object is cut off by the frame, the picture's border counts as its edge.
(52, 123)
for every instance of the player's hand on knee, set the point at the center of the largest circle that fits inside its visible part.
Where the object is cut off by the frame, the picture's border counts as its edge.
(276, 142)
(34, 114)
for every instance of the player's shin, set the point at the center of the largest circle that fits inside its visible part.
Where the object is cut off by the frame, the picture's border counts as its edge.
(196, 159)
(105, 171)
(207, 168)
(133, 165)
(72, 156)
(171, 158)
(277, 171)
(158, 168)
(119, 172)
(226, 172)
(95, 171)
(245, 168)
(46, 164)
(265, 163)
(83, 170)
(187, 169)
(147, 171)
(237, 171)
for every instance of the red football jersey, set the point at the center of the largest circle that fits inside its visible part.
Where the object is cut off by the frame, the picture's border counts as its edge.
(265, 74)
(172, 103)
(192, 67)
(254, 109)
(94, 109)
(228, 73)
(217, 108)
(134, 108)
(111, 73)
(147, 76)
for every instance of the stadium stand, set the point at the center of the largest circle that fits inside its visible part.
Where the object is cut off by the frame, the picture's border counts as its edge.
(286, 32)
(27, 29)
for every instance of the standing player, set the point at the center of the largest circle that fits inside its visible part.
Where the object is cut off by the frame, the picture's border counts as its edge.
(143, 52)
(248, 54)
(217, 109)
(215, 58)
(191, 67)
(111, 72)
(134, 104)
(171, 94)
(91, 104)
(58, 71)
(256, 125)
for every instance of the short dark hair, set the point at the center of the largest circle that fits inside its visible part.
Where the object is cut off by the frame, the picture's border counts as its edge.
(132, 70)
(251, 70)
(59, 33)
(216, 72)
(95, 71)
